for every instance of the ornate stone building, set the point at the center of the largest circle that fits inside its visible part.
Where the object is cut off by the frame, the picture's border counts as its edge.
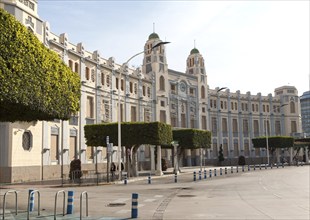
(43, 150)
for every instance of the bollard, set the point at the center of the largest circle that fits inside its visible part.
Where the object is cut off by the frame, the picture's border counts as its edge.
(214, 172)
(265, 166)
(277, 165)
(175, 177)
(199, 174)
(260, 167)
(231, 170)
(210, 171)
(70, 202)
(125, 179)
(221, 171)
(31, 203)
(237, 169)
(134, 206)
(242, 168)
(249, 168)
(271, 165)
(225, 170)
(205, 174)
(149, 179)
(194, 175)
(282, 165)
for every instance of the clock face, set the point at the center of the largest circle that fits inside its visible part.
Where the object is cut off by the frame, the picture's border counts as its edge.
(182, 87)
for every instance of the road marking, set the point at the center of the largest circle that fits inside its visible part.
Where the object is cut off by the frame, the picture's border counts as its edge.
(158, 196)
(149, 200)
(123, 211)
(120, 200)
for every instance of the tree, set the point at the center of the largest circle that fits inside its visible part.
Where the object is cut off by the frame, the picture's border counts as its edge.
(221, 155)
(134, 134)
(273, 143)
(35, 84)
(191, 139)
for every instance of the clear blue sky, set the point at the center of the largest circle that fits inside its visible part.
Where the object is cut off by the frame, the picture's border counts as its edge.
(251, 46)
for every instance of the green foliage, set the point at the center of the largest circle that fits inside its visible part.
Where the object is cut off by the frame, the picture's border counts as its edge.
(192, 138)
(273, 142)
(35, 83)
(133, 133)
(221, 155)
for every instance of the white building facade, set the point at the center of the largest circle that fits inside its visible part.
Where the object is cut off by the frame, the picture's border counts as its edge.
(43, 150)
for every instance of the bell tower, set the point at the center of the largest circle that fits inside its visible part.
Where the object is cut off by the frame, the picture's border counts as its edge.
(156, 69)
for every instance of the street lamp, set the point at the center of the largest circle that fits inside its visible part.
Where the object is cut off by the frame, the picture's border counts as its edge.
(267, 142)
(124, 68)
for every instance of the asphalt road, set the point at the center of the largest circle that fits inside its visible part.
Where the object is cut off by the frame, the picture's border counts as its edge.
(278, 193)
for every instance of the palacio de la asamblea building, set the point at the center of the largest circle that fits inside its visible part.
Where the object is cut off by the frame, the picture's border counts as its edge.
(152, 92)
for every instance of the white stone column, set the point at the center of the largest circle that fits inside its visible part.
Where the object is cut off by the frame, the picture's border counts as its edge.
(307, 156)
(159, 172)
(152, 149)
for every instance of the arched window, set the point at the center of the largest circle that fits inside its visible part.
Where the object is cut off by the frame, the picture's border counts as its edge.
(203, 92)
(76, 67)
(87, 73)
(161, 83)
(71, 64)
(108, 81)
(102, 78)
(27, 140)
(292, 107)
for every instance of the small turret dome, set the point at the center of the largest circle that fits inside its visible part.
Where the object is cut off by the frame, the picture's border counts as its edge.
(153, 36)
(195, 50)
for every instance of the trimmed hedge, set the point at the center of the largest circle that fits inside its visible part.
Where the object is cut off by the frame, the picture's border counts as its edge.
(35, 84)
(133, 133)
(192, 138)
(273, 142)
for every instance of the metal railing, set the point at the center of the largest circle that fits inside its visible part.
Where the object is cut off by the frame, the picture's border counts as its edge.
(64, 202)
(4, 202)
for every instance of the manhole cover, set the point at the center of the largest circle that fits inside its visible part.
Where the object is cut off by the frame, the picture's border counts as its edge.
(116, 204)
(186, 195)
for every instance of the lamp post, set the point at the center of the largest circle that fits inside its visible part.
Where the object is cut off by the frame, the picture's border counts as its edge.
(267, 142)
(219, 126)
(124, 68)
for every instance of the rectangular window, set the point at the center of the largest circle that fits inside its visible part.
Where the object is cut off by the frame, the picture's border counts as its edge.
(89, 153)
(131, 87)
(224, 125)
(183, 120)
(214, 125)
(133, 113)
(90, 107)
(245, 126)
(235, 125)
(173, 121)
(256, 128)
(163, 116)
(54, 148)
(73, 148)
(277, 127)
(293, 126)
(204, 122)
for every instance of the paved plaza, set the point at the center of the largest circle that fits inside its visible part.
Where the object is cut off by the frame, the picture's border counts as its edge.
(278, 193)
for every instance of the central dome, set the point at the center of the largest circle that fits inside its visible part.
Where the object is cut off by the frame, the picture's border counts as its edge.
(194, 51)
(153, 36)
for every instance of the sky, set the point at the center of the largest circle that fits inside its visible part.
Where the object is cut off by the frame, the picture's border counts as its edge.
(249, 45)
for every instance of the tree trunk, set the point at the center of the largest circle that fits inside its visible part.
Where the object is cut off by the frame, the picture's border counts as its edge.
(135, 161)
